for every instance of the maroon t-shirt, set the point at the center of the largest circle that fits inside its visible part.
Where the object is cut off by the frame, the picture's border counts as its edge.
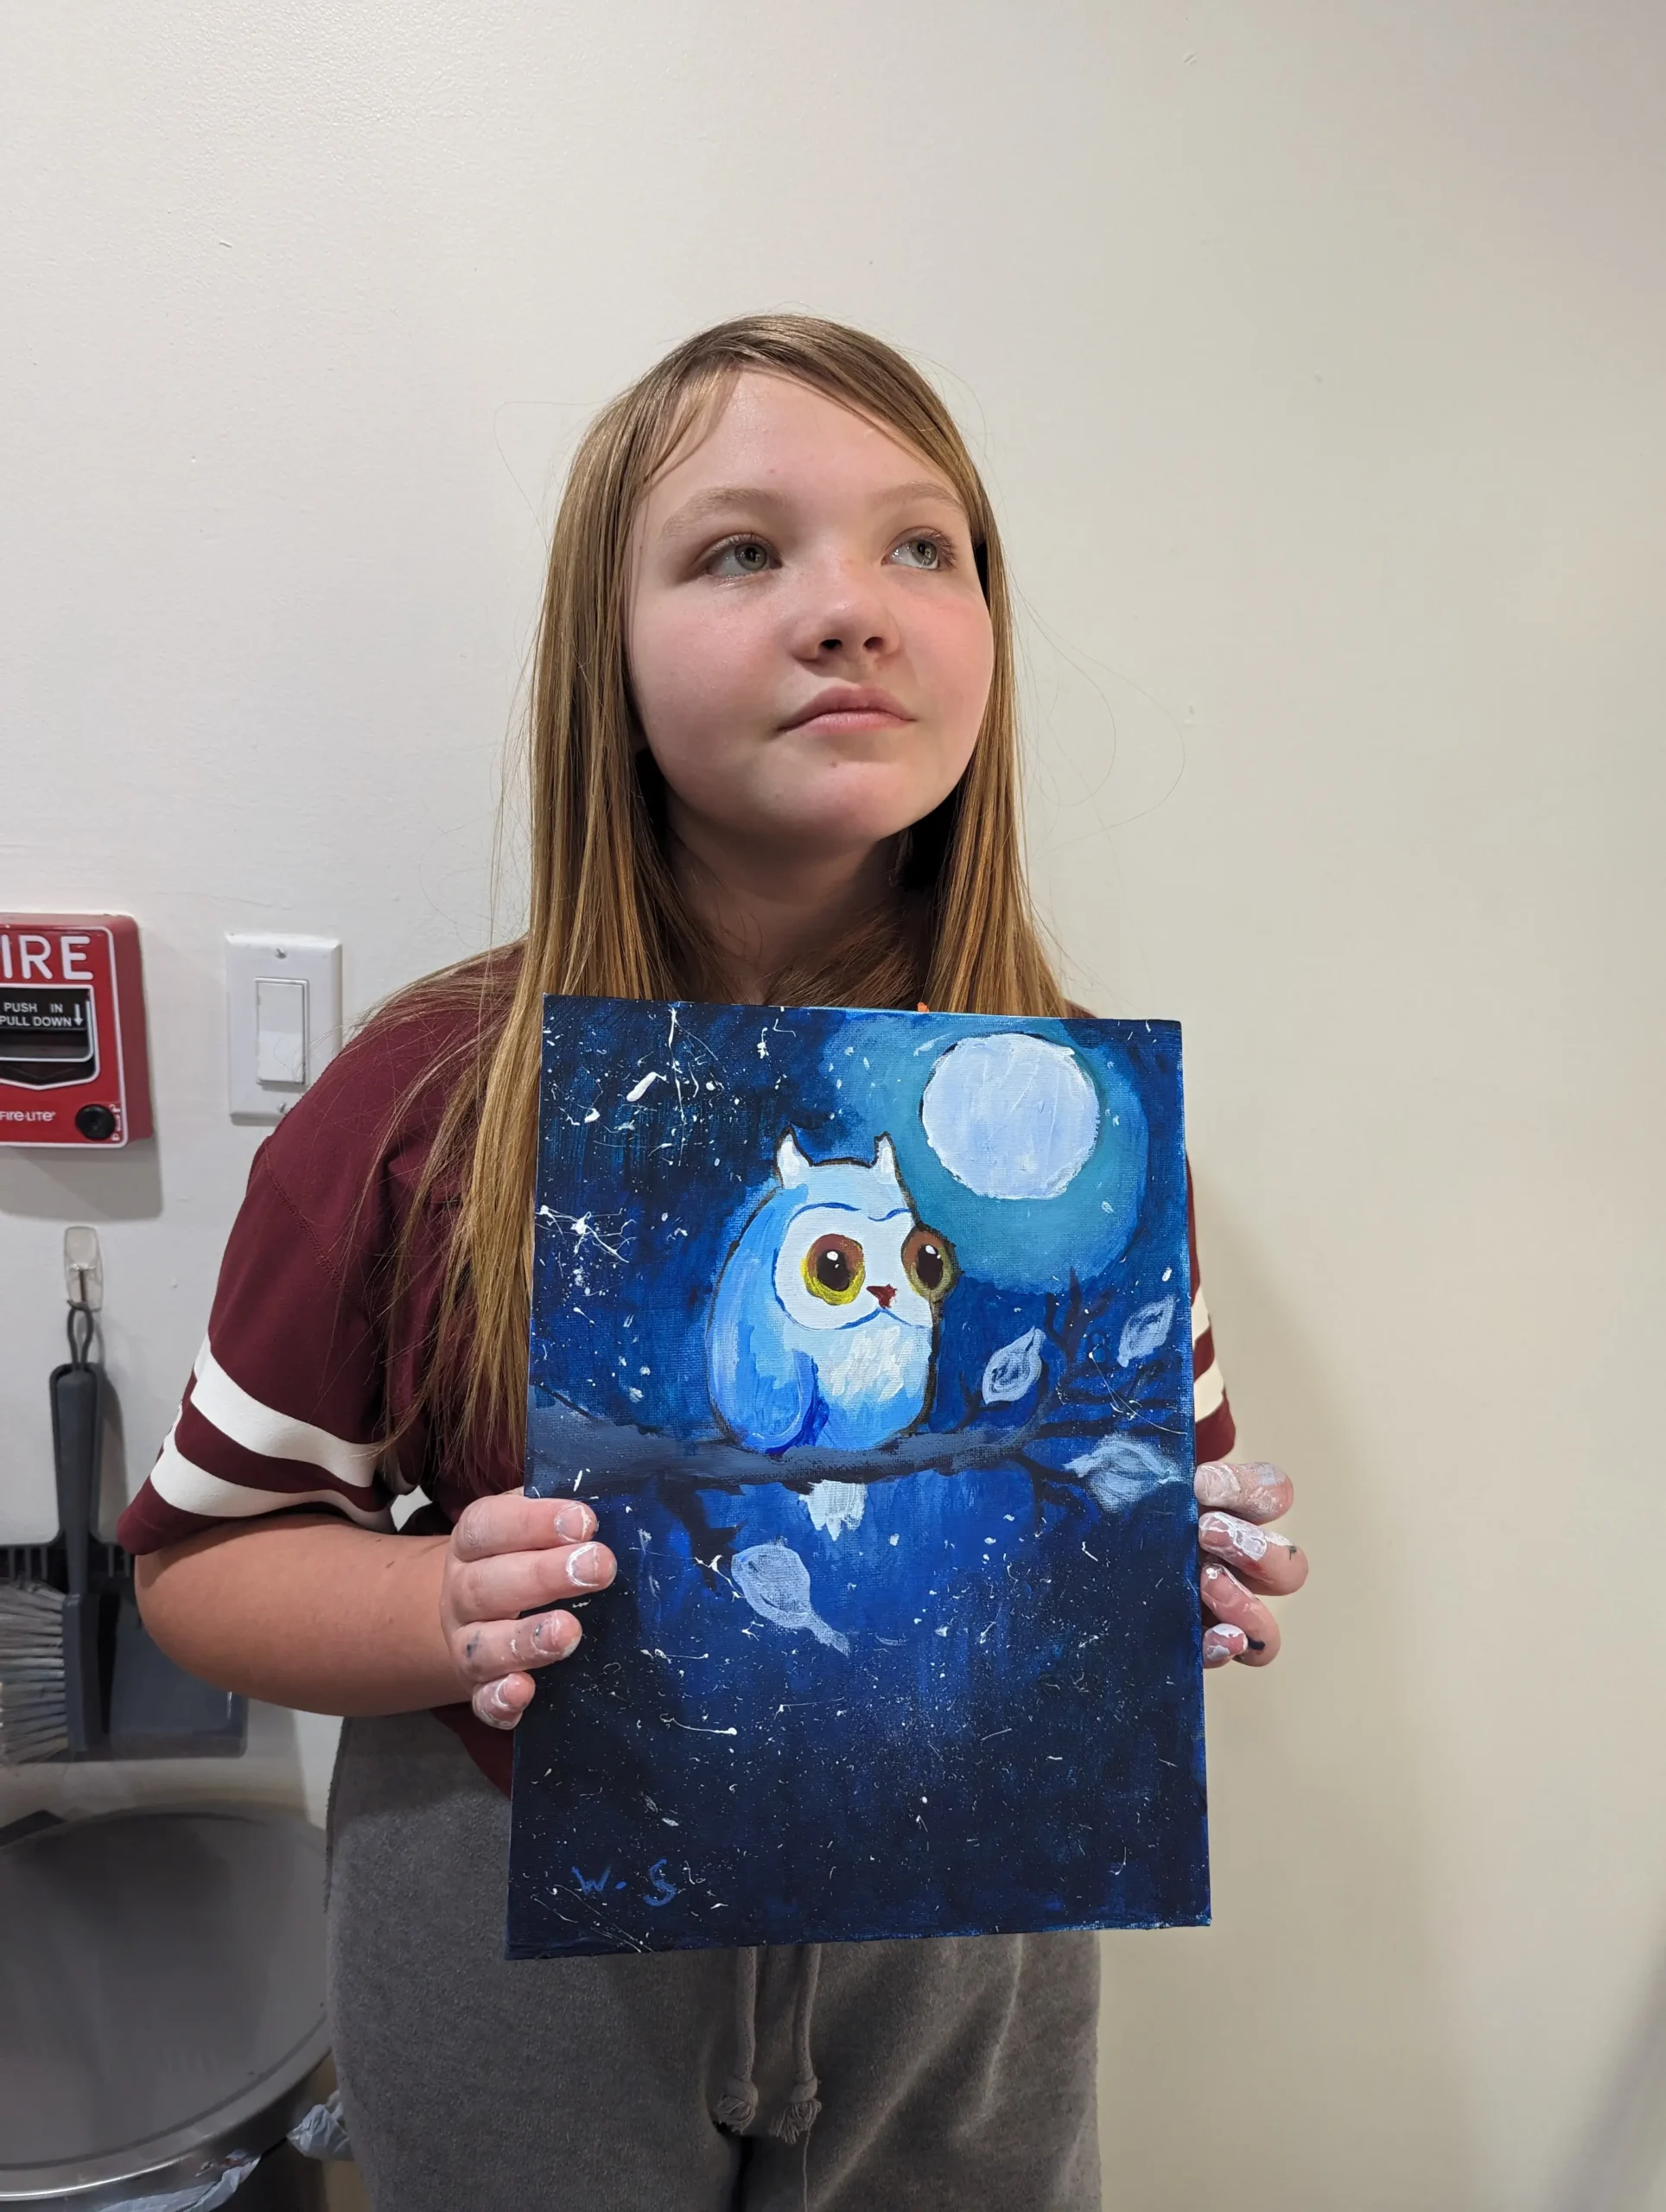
(299, 1384)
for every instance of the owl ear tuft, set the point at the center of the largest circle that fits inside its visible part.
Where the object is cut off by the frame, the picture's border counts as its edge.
(789, 1163)
(885, 1159)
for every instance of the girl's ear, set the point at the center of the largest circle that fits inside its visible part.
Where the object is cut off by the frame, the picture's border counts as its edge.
(885, 1159)
(789, 1163)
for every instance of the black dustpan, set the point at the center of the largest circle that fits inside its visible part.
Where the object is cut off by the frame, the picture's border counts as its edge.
(123, 1698)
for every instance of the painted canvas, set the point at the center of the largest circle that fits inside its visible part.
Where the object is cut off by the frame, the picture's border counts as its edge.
(866, 1335)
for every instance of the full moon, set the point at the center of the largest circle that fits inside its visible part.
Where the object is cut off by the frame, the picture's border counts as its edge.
(1011, 1117)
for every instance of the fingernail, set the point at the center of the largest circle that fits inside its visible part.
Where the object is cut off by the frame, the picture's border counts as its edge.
(573, 1522)
(1218, 1578)
(495, 1709)
(1216, 1484)
(590, 1567)
(1224, 1532)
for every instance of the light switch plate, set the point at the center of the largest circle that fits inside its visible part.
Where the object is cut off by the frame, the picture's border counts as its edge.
(283, 1019)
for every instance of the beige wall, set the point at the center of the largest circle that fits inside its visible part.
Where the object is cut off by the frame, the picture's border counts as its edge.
(1315, 354)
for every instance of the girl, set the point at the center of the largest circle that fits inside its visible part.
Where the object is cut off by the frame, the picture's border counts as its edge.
(773, 759)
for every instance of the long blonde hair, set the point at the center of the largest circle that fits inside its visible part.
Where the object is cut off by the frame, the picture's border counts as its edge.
(606, 915)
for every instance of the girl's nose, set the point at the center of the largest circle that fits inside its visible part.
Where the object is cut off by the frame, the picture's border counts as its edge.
(885, 1292)
(846, 615)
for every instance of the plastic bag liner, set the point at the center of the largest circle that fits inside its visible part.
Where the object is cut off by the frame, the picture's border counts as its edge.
(322, 2133)
(319, 2133)
(216, 2189)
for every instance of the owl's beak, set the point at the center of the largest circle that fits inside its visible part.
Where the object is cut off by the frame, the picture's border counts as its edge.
(885, 1292)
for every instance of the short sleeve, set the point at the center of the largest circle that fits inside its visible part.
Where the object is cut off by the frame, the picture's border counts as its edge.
(287, 1401)
(1216, 1431)
(283, 1404)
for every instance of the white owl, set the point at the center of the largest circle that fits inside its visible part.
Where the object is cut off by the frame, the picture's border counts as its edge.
(823, 1322)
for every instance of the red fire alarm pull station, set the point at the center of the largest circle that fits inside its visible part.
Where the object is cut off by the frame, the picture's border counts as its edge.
(72, 1062)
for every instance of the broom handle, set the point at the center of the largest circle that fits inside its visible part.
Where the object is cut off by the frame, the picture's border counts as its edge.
(75, 1410)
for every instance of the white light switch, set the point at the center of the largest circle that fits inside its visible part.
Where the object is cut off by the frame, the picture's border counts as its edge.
(283, 1018)
(281, 1034)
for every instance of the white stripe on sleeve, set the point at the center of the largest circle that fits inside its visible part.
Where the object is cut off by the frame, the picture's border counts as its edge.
(1199, 1316)
(274, 1435)
(180, 1482)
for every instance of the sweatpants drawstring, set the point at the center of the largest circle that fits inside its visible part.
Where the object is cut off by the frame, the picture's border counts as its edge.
(793, 2124)
(737, 2106)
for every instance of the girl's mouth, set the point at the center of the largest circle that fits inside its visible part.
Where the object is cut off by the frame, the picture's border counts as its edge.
(850, 707)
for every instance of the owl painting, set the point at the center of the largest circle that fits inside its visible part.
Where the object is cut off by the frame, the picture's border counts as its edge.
(862, 1332)
(823, 1324)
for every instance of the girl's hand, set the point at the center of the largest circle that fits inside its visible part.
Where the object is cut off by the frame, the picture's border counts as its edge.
(1241, 1557)
(506, 1556)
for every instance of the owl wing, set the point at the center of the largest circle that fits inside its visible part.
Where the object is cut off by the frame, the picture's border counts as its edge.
(762, 1388)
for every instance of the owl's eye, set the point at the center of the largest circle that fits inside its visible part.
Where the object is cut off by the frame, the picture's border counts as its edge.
(834, 1269)
(929, 1260)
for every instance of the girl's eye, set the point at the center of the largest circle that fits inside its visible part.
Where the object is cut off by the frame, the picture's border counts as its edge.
(922, 553)
(741, 557)
(929, 1259)
(833, 1269)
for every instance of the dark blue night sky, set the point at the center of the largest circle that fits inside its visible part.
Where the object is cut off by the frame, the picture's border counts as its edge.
(904, 1638)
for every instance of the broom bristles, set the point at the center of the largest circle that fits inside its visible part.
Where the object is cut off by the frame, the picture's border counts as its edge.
(34, 1683)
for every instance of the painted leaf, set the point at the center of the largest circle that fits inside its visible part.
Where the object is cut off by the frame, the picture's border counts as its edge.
(1145, 1331)
(1015, 1371)
(1119, 1468)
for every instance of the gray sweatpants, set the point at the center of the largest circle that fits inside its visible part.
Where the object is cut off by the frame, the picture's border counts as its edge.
(951, 2073)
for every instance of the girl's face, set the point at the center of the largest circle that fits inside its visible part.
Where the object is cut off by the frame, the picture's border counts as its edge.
(810, 650)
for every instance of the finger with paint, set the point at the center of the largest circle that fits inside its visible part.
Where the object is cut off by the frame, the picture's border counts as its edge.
(1229, 1607)
(1267, 1561)
(1252, 1488)
(1243, 1559)
(511, 1560)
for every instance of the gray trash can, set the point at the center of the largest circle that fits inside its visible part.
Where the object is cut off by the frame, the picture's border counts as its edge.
(161, 2005)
